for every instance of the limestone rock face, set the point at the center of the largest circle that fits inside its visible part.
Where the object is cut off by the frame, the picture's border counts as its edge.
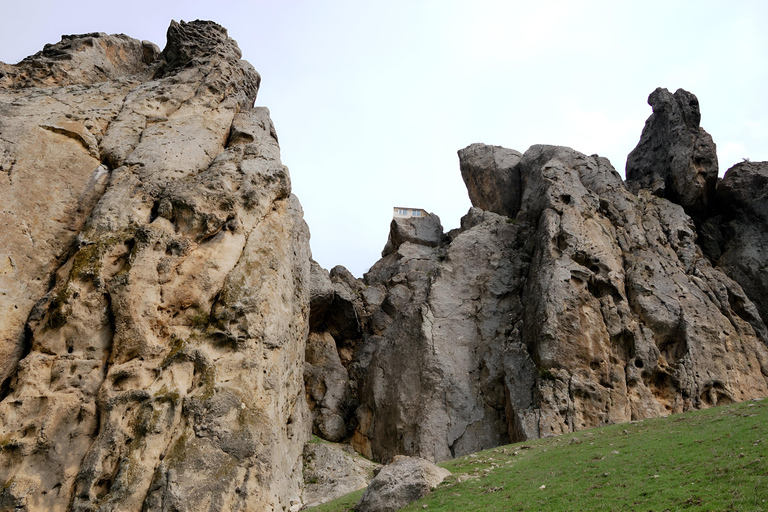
(81, 59)
(675, 157)
(336, 310)
(492, 178)
(327, 384)
(157, 267)
(399, 483)
(593, 305)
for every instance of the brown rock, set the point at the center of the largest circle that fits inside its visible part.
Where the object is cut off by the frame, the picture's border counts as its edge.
(81, 59)
(165, 365)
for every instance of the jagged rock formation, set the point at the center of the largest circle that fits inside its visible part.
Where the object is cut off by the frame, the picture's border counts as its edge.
(675, 158)
(585, 304)
(155, 269)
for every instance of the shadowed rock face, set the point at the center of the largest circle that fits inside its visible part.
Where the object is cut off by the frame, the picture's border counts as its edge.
(157, 267)
(738, 228)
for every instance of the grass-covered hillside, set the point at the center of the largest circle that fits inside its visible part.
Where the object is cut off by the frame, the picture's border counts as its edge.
(716, 459)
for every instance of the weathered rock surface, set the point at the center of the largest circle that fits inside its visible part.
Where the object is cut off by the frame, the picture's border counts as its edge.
(675, 157)
(399, 483)
(167, 343)
(425, 230)
(593, 305)
(492, 178)
(741, 222)
(333, 470)
(81, 59)
(161, 368)
(327, 385)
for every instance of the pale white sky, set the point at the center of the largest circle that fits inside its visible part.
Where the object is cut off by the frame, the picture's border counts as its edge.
(371, 100)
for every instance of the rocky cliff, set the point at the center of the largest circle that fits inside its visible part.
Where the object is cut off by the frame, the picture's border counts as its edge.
(155, 276)
(167, 343)
(566, 300)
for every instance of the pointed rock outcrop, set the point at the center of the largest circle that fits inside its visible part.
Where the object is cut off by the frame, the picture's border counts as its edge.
(675, 157)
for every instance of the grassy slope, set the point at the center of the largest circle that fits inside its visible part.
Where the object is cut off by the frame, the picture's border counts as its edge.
(716, 459)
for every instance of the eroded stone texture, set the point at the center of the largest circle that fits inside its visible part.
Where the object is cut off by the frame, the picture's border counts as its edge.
(675, 157)
(333, 470)
(624, 316)
(165, 366)
(591, 306)
(50, 163)
(80, 59)
(742, 231)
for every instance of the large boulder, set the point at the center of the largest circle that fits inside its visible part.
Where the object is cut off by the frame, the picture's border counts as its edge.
(425, 230)
(404, 480)
(161, 270)
(675, 157)
(333, 470)
(492, 178)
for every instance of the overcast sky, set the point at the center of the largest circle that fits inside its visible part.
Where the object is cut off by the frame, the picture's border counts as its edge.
(372, 99)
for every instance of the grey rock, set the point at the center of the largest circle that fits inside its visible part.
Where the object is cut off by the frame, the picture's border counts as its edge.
(675, 157)
(742, 233)
(321, 295)
(593, 305)
(399, 483)
(333, 470)
(327, 386)
(492, 178)
(425, 230)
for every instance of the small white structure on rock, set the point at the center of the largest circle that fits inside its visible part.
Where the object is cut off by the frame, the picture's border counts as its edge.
(407, 213)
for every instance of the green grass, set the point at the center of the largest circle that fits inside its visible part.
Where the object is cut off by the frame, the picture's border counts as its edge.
(343, 504)
(715, 459)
